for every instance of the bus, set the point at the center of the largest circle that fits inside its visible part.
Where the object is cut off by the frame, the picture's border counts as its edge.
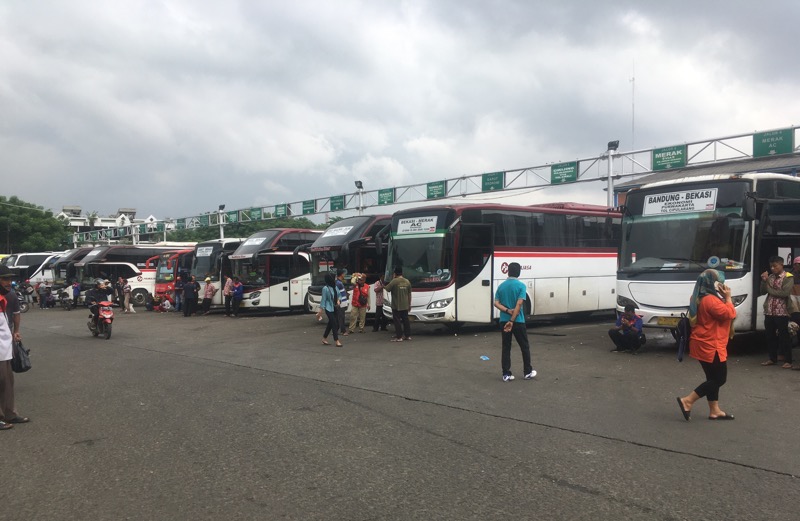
(354, 244)
(456, 256)
(211, 260)
(24, 265)
(171, 264)
(63, 267)
(272, 275)
(673, 230)
(136, 263)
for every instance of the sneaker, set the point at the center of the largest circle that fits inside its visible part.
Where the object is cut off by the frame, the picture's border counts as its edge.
(530, 375)
(508, 377)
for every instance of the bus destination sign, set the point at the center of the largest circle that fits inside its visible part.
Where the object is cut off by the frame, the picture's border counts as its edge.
(417, 225)
(699, 200)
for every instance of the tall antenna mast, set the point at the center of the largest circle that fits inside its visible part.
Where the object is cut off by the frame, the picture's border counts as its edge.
(633, 107)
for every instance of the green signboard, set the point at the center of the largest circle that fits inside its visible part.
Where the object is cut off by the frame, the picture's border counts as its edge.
(142, 228)
(309, 207)
(436, 190)
(773, 143)
(337, 203)
(180, 224)
(280, 210)
(564, 173)
(669, 157)
(93, 236)
(386, 196)
(233, 217)
(256, 214)
(203, 220)
(493, 181)
(160, 227)
(121, 232)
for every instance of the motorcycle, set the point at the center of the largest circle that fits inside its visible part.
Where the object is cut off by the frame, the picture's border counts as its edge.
(64, 300)
(101, 325)
(23, 304)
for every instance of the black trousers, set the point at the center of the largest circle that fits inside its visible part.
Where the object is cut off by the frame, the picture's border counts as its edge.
(778, 340)
(380, 319)
(333, 325)
(228, 299)
(716, 376)
(402, 326)
(189, 305)
(520, 334)
(629, 342)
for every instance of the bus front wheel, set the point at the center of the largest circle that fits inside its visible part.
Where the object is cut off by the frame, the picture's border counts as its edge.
(138, 297)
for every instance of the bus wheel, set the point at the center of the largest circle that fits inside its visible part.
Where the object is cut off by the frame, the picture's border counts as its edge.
(138, 297)
(307, 304)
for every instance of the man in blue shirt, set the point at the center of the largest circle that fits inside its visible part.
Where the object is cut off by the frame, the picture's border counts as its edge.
(509, 299)
(627, 334)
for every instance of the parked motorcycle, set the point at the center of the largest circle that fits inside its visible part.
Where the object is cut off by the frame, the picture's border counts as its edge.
(23, 305)
(65, 300)
(101, 324)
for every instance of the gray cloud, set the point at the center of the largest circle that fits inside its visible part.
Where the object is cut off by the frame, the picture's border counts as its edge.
(176, 107)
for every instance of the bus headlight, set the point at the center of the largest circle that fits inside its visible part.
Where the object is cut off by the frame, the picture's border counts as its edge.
(738, 299)
(255, 294)
(625, 301)
(439, 304)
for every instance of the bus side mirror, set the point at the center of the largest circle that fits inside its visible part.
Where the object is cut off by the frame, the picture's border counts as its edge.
(749, 209)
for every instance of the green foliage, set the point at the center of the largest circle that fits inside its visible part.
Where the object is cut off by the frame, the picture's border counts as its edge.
(27, 227)
(242, 229)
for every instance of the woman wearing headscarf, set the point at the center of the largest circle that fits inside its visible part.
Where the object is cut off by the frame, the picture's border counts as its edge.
(711, 314)
(328, 305)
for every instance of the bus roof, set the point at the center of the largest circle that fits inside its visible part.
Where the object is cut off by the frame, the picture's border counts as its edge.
(347, 230)
(556, 208)
(715, 177)
(272, 238)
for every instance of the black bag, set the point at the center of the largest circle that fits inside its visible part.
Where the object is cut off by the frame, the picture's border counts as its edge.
(21, 362)
(363, 299)
(682, 333)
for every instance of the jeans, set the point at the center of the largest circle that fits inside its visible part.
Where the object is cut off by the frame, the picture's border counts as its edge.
(520, 333)
(340, 319)
(333, 325)
(178, 301)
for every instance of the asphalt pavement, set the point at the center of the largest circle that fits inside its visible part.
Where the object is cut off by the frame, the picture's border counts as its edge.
(212, 417)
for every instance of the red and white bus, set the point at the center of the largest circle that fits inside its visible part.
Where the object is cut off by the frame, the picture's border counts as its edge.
(274, 277)
(170, 265)
(456, 256)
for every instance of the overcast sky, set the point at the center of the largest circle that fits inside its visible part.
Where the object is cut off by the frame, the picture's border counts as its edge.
(174, 107)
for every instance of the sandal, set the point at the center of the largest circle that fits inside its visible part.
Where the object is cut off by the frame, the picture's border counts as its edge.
(325, 343)
(768, 362)
(18, 419)
(396, 340)
(338, 344)
(787, 365)
(5, 426)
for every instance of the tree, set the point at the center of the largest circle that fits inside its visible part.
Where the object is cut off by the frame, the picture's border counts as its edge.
(27, 227)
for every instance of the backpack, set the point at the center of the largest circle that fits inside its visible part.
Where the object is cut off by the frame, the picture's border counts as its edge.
(682, 333)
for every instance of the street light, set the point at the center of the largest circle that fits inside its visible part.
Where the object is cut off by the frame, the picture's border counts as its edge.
(360, 188)
(219, 220)
(612, 147)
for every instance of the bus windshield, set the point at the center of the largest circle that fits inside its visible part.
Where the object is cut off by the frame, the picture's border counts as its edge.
(426, 261)
(324, 261)
(205, 262)
(666, 230)
(166, 268)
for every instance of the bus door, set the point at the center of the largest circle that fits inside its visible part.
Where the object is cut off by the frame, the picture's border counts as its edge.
(474, 298)
(778, 234)
(279, 280)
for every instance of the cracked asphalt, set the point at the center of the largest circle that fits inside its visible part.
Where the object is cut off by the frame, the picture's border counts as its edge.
(252, 418)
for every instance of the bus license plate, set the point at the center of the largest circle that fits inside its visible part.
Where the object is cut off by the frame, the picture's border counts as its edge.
(668, 321)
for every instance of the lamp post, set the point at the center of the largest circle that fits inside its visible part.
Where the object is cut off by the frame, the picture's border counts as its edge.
(612, 147)
(360, 188)
(219, 220)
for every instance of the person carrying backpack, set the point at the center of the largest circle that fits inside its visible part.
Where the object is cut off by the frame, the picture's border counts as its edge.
(711, 313)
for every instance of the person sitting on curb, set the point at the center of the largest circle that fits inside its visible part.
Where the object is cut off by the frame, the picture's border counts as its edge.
(627, 334)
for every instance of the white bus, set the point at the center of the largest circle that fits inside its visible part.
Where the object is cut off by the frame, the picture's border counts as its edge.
(456, 256)
(273, 276)
(673, 230)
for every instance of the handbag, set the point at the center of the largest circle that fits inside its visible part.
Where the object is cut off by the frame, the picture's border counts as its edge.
(21, 360)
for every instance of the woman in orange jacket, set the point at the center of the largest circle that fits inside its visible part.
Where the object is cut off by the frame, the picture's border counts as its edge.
(711, 313)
